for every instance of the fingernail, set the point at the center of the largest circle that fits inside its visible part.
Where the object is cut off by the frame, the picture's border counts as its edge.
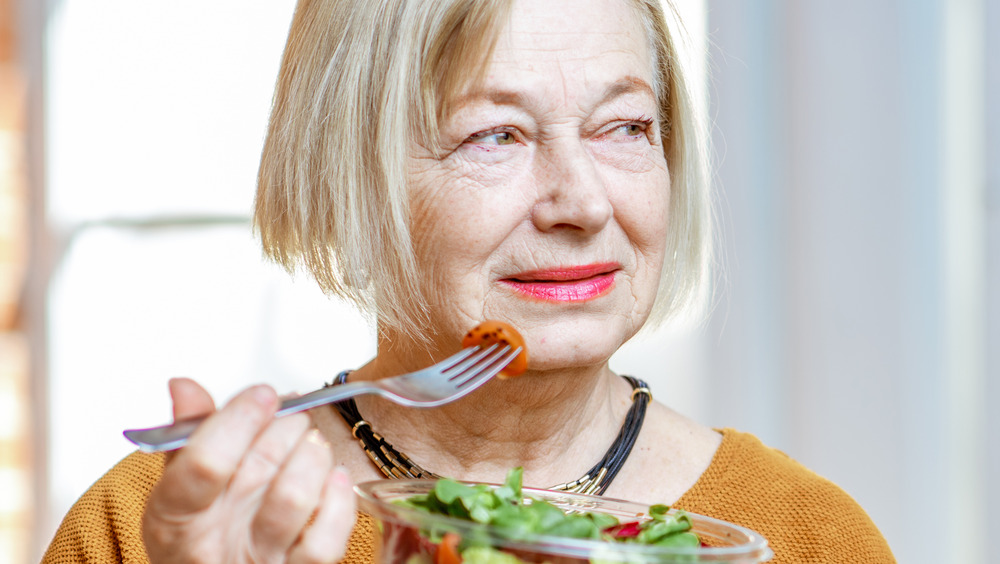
(341, 477)
(263, 395)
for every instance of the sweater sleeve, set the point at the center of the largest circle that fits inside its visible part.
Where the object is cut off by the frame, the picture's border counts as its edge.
(105, 524)
(804, 517)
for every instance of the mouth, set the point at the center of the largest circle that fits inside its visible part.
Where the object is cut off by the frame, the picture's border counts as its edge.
(565, 284)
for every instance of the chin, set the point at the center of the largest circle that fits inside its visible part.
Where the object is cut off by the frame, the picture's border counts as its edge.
(556, 346)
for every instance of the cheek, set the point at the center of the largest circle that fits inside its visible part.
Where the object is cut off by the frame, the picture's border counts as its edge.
(653, 219)
(440, 231)
(642, 208)
(464, 210)
(435, 222)
(457, 228)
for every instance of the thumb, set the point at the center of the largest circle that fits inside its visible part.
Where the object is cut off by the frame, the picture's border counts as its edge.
(189, 398)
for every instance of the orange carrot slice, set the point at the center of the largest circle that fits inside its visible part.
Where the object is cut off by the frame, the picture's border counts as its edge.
(492, 332)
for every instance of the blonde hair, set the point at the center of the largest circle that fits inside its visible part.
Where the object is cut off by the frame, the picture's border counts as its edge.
(357, 82)
(685, 276)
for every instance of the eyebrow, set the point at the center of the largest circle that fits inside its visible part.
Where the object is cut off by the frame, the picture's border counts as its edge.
(627, 85)
(622, 86)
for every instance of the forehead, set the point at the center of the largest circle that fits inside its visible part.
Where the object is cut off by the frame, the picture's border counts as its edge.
(570, 42)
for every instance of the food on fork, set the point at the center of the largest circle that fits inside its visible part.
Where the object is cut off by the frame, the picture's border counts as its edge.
(498, 332)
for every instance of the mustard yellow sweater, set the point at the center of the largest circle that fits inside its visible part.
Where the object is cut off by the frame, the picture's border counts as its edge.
(805, 518)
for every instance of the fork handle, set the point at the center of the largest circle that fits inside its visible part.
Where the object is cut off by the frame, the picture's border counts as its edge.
(175, 435)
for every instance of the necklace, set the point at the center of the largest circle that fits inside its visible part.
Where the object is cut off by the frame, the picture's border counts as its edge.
(393, 464)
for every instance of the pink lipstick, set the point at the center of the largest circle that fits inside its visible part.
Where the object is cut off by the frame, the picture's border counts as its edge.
(565, 284)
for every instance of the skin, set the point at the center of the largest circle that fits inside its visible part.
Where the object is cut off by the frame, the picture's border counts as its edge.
(553, 161)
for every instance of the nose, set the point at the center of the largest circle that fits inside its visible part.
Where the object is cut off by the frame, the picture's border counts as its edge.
(571, 193)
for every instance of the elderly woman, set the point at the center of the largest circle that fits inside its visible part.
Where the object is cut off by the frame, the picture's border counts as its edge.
(443, 163)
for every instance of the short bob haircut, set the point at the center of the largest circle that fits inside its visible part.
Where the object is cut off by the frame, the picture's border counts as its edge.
(360, 78)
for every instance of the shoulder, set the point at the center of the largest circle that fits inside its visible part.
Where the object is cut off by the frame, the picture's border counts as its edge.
(804, 516)
(106, 522)
(125, 488)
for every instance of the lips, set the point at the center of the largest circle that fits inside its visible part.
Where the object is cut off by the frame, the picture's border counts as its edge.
(565, 284)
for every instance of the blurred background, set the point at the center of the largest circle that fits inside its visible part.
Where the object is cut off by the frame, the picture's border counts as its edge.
(857, 320)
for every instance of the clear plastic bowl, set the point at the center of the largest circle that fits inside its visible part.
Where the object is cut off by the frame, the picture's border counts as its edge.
(400, 540)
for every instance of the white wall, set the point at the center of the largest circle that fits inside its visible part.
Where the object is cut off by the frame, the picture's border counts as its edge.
(991, 397)
(851, 143)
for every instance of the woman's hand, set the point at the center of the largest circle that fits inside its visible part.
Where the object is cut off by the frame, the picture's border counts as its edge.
(248, 487)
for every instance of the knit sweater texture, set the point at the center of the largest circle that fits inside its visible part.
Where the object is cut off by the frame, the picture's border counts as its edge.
(804, 517)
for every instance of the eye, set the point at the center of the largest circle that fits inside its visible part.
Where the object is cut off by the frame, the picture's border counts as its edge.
(632, 129)
(493, 137)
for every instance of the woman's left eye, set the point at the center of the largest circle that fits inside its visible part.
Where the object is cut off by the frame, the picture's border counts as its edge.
(502, 137)
(630, 129)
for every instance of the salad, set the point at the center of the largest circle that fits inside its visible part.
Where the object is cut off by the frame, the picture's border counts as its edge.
(514, 517)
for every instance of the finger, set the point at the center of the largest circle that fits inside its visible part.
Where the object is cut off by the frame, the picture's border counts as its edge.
(269, 452)
(292, 497)
(202, 469)
(189, 398)
(325, 540)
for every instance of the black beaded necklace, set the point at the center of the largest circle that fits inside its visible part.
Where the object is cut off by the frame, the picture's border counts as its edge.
(394, 464)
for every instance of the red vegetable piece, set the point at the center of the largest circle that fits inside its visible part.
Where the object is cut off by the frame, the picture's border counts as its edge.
(624, 530)
(493, 332)
(447, 551)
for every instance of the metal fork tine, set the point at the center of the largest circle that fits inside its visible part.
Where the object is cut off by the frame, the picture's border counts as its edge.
(459, 369)
(497, 362)
(454, 359)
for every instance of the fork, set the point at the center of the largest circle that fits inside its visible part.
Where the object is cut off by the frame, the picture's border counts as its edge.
(433, 386)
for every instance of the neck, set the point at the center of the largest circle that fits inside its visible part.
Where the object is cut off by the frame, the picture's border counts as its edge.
(556, 424)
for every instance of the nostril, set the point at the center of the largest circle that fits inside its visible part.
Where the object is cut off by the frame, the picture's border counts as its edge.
(588, 215)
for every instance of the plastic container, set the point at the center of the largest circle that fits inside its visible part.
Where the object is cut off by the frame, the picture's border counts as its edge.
(400, 539)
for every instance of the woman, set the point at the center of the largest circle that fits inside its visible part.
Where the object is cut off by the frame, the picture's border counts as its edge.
(444, 163)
